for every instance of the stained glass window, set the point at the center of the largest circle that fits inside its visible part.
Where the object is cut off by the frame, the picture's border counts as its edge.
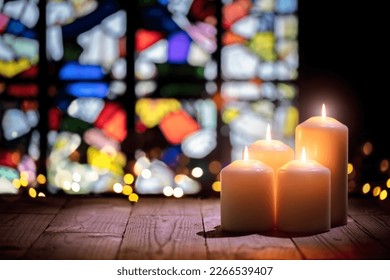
(19, 112)
(175, 71)
(204, 79)
(86, 49)
(259, 66)
(207, 71)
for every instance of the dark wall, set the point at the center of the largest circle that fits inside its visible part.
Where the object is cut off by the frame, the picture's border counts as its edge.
(345, 63)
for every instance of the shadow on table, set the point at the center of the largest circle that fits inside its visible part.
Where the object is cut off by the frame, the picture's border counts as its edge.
(217, 232)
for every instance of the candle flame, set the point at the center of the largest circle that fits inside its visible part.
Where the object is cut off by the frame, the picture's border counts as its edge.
(303, 155)
(323, 111)
(246, 153)
(268, 133)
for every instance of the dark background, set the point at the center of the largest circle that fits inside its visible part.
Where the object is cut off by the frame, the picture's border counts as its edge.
(345, 64)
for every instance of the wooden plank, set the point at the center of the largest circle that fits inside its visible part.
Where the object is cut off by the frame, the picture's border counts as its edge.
(365, 206)
(75, 246)
(99, 215)
(166, 237)
(345, 242)
(39, 205)
(378, 227)
(221, 245)
(6, 201)
(19, 231)
(164, 229)
(153, 206)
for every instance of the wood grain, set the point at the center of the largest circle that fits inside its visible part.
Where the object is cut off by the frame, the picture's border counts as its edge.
(75, 246)
(39, 205)
(19, 231)
(221, 245)
(378, 227)
(163, 237)
(98, 215)
(161, 228)
(364, 206)
(6, 201)
(345, 242)
(150, 206)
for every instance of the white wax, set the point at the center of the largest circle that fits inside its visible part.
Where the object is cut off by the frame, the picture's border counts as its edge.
(303, 197)
(272, 152)
(326, 141)
(247, 197)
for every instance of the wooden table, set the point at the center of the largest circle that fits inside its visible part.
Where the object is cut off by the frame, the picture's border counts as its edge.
(112, 228)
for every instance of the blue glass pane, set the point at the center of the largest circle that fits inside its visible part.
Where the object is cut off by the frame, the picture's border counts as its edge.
(87, 89)
(76, 71)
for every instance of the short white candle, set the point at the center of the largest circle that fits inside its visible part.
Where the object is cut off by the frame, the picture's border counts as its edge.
(247, 196)
(303, 197)
(326, 141)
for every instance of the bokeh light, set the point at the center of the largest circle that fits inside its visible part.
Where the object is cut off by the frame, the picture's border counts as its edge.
(216, 186)
(384, 165)
(133, 197)
(41, 179)
(383, 195)
(178, 192)
(197, 172)
(376, 191)
(168, 191)
(117, 187)
(366, 188)
(127, 190)
(215, 167)
(128, 178)
(32, 193)
(367, 148)
(350, 168)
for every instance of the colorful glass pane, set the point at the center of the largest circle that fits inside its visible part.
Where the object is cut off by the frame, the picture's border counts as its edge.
(259, 65)
(87, 119)
(176, 43)
(19, 111)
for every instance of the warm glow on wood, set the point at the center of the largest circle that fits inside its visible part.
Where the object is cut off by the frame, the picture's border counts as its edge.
(323, 111)
(268, 133)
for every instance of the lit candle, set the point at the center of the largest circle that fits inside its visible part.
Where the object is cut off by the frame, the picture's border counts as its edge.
(303, 197)
(247, 196)
(273, 153)
(326, 141)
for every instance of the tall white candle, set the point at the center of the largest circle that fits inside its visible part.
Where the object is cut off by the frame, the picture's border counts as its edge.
(326, 141)
(247, 196)
(273, 153)
(303, 197)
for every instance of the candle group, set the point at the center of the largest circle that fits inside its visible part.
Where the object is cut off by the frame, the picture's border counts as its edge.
(273, 189)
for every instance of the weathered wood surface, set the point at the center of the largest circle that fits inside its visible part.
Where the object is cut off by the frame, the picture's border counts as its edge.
(164, 229)
(222, 245)
(159, 228)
